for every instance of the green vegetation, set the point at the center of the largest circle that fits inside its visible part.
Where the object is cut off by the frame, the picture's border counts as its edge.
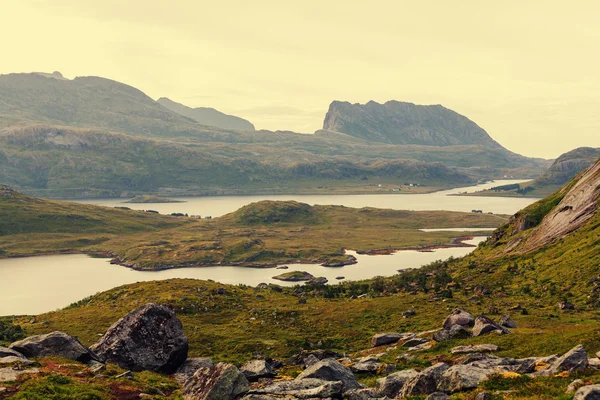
(9, 332)
(258, 234)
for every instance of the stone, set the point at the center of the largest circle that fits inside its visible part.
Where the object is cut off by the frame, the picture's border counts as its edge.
(56, 344)
(310, 361)
(95, 366)
(573, 386)
(485, 325)
(462, 377)
(256, 369)
(479, 348)
(590, 392)
(484, 396)
(574, 360)
(362, 394)
(148, 338)
(425, 382)
(382, 339)
(190, 366)
(366, 365)
(321, 354)
(454, 332)
(438, 396)
(594, 363)
(533, 364)
(9, 374)
(566, 306)
(6, 352)
(408, 313)
(219, 382)
(13, 359)
(415, 342)
(391, 385)
(458, 317)
(507, 322)
(331, 370)
(308, 388)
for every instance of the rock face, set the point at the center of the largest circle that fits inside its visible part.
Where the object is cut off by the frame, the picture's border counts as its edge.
(149, 338)
(57, 344)
(256, 369)
(331, 370)
(392, 384)
(405, 123)
(219, 382)
(458, 317)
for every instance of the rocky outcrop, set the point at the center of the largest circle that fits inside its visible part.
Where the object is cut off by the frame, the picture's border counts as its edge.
(590, 392)
(149, 338)
(331, 370)
(6, 352)
(10, 374)
(458, 317)
(392, 384)
(190, 366)
(575, 359)
(485, 325)
(56, 344)
(478, 348)
(308, 388)
(455, 332)
(463, 377)
(382, 339)
(219, 382)
(425, 382)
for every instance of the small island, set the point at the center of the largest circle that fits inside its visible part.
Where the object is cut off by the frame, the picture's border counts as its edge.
(152, 199)
(294, 276)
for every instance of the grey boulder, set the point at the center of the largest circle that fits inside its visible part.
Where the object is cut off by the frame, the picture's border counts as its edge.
(256, 369)
(438, 396)
(308, 388)
(219, 382)
(590, 392)
(574, 360)
(479, 348)
(458, 317)
(463, 377)
(331, 370)
(454, 332)
(507, 322)
(6, 352)
(425, 382)
(382, 339)
(148, 338)
(392, 384)
(485, 325)
(190, 366)
(57, 344)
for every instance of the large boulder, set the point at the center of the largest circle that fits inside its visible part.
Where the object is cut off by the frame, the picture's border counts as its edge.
(458, 317)
(367, 364)
(463, 377)
(308, 388)
(148, 338)
(331, 370)
(219, 382)
(57, 344)
(425, 382)
(590, 392)
(256, 369)
(575, 359)
(454, 332)
(190, 366)
(485, 325)
(392, 384)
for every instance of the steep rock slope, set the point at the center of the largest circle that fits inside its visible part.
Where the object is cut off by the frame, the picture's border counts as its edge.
(208, 116)
(405, 123)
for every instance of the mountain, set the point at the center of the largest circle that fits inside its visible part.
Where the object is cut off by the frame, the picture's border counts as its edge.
(405, 123)
(208, 116)
(568, 165)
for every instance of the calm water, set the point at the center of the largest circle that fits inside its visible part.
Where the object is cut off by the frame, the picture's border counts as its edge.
(46, 283)
(216, 206)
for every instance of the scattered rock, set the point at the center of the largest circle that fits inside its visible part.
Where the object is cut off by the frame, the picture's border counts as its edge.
(415, 342)
(148, 338)
(590, 392)
(455, 332)
(219, 382)
(574, 360)
(190, 366)
(566, 306)
(485, 325)
(126, 374)
(256, 369)
(573, 386)
(382, 339)
(479, 348)
(362, 394)
(57, 344)
(462, 377)
(366, 364)
(594, 363)
(507, 322)
(484, 396)
(438, 396)
(9, 374)
(425, 382)
(331, 370)
(408, 313)
(392, 384)
(458, 317)
(308, 388)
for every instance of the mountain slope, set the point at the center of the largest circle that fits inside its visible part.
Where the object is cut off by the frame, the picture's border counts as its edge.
(207, 116)
(405, 123)
(568, 165)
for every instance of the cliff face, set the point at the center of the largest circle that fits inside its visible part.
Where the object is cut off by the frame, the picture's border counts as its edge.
(208, 116)
(405, 123)
(568, 165)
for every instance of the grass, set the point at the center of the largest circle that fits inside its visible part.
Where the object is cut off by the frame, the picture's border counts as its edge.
(258, 234)
(152, 199)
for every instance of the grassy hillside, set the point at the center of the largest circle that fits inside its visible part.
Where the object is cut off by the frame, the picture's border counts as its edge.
(258, 234)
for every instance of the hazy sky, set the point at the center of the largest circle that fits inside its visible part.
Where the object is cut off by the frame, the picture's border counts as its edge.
(526, 71)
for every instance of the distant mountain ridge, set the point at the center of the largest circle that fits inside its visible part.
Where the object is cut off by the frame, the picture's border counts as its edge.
(405, 123)
(208, 116)
(568, 165)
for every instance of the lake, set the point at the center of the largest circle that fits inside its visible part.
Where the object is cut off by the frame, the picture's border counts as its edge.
(216, 206)
(46, 283)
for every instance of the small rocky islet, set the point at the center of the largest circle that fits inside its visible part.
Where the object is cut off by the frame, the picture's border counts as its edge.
(151, 338)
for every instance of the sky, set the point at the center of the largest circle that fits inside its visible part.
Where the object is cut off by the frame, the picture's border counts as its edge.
(525, 71)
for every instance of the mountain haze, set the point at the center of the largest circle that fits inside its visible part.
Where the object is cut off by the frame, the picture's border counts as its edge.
(207, 116)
